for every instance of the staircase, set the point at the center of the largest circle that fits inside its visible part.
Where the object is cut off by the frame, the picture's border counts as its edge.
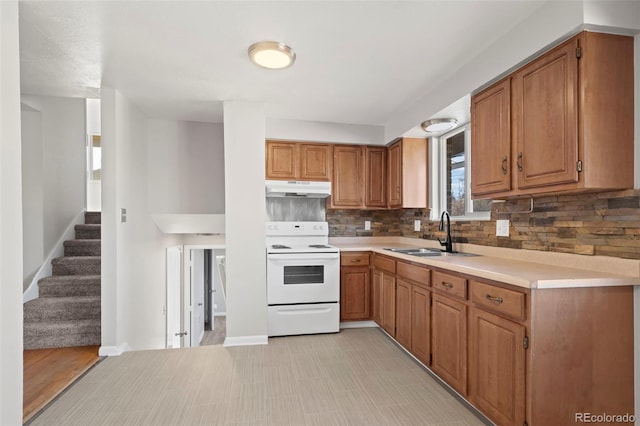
(67, 313)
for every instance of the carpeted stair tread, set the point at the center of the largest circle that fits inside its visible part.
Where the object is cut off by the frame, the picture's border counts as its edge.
(61, 334)
(83, 247)
(50, 309)
(88, 231)
(91, 218)
(69, 285)
(76, 265)
(67, 312)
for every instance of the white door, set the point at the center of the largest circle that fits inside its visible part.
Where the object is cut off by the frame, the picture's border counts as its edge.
(174, 285)
(198, 289)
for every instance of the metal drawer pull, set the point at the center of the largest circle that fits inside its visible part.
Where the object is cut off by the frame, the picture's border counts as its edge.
(497, 300)
(519, 162)
(446, 284)
(355, 260)
(504, 165)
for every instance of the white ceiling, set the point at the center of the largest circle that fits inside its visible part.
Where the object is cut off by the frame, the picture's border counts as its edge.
(358, 62)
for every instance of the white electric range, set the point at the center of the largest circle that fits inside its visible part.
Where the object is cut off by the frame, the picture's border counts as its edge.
(303, 279)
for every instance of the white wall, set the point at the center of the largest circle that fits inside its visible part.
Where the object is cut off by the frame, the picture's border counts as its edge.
(32, 193)
(186, 167)
(134, 252)
(553, 20)
(299, 130)
(64, 162)
(109, 311)
(244, 135)
(10, 219)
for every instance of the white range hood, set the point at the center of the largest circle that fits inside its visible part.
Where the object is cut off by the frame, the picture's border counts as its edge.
(297, 189)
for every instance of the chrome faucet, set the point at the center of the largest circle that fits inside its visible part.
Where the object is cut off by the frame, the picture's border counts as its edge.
(447, 243)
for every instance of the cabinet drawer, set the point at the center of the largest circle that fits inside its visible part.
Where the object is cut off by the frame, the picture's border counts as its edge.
(354, 259)
(498, 299)
(384, 264)
(449, 284)
(415, 273)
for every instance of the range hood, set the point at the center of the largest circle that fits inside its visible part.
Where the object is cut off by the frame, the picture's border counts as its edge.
(297, 189)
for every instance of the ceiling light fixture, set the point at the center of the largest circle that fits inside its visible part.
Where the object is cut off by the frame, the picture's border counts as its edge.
(439, 124)
(272, 55)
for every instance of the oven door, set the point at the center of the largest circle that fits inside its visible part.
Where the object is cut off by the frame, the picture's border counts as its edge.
(303, 278)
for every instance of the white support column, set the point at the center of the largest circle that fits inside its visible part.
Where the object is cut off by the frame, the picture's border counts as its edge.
(244, 157)
(10, 219)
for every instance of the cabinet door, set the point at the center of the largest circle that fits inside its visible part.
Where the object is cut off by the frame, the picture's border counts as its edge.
(375, 176)
(346, 189)
(389, 303)
(491, 140)
(421, 323)
(403, 313)
(449, 341)
(376, 296)
(497, 367)
(355, 298)
(394, 175)
(281, 158)
(315, 161)
(545, 119)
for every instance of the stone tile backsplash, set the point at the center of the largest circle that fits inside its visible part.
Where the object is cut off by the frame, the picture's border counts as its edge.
(606, 224)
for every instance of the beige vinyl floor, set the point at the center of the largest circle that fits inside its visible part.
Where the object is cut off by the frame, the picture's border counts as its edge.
(355, 377)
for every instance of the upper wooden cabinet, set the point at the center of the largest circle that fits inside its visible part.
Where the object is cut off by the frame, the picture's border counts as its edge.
(563, 122)
(298, 161)
(348, 173)
(359, 176)
(407, 174)
(491, 139)
(375, 180)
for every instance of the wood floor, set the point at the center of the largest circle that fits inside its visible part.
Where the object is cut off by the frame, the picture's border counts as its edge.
(355, 377)
(47, 372)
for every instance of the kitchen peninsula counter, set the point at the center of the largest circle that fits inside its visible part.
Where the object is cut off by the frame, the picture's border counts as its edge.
(522, 268)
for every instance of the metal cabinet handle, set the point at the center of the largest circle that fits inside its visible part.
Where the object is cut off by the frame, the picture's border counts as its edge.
(447, 285)
(183, 333)
(497, 300)
(504, 165)
(355, 260)
(519, 161)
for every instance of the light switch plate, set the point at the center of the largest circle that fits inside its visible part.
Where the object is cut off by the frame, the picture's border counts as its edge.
(502, 228)
(367, 225)
(416, 225)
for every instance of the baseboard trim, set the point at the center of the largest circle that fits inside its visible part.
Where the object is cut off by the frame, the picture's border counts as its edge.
(358, 324)
(114, 350)
(246, 340)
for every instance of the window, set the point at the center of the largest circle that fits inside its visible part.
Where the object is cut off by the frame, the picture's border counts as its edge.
(451, 177)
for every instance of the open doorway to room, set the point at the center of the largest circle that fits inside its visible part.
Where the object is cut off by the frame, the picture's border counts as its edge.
(196, 299)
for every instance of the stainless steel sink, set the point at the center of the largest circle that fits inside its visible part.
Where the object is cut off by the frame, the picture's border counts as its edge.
(426, 252)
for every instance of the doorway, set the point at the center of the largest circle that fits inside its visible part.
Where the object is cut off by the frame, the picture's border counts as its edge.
(196, 302)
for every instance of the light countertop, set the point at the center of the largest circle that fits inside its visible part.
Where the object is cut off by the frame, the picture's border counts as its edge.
(523, 268)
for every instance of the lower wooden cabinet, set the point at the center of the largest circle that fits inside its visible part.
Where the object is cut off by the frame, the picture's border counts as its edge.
(376, 296)
(355, 297)
(421, 323)
(389, 303)
(403, 312)
(355, 286)
(497, 367)
(520, 356)
(449, 341)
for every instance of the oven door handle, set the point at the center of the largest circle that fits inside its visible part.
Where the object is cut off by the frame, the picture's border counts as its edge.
(302, 256)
